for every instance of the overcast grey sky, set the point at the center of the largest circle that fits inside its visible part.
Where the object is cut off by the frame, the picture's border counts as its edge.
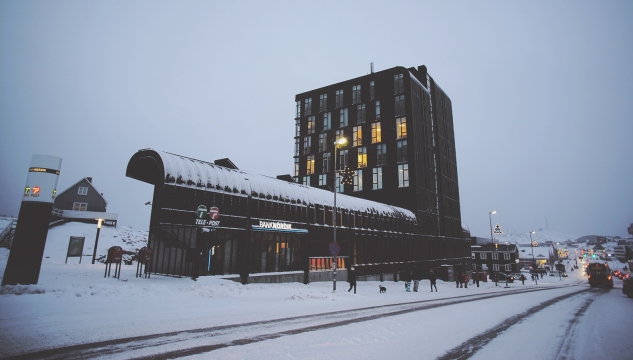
(541, 92)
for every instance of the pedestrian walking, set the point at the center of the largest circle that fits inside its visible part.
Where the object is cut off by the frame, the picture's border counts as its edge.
(476, 279)
(465, 279)
(522, 278)
(351, 278)
(417, 276)
(457, 280)
(406, 276)
(432, 278)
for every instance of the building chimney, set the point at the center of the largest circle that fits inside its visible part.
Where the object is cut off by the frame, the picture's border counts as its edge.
(89, 179)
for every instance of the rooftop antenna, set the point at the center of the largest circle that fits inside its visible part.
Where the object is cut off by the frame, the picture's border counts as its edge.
(372, 67)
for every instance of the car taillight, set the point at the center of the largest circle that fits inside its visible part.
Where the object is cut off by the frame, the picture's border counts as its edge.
(588, 276)
(609, 278)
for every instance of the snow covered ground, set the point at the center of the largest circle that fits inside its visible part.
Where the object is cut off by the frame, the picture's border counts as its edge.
(74, 304)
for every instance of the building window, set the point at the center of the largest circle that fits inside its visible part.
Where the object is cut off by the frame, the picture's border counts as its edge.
(357, 136)
(83, 191)
(355, 94)
(323, 180)
(307, 144)
(402, 150)
(362, 157)
(509, 267)
(310, 165)
(376, 182)
(375, 133)
(311, 124)
(297, 142)
(360, 114)
(495, 267)
(298, 109)
(342, 159)
(377, 110)
(371, 91)
(495, 256)
(306, 180)
(339, 135)
(473, 255)
(297, 127)
(401, 128)
(327, 121)
(338, 185)
(339, 98)
(358, 180)
(308, 106)
(403, 175)
(80, 206)
(296, 166)
(323, 103)
(483, 256)
(381, 154)
(400, 110)
(506, 256)
(398, 84)
(343, 118)
(322, 142)
(327, 158)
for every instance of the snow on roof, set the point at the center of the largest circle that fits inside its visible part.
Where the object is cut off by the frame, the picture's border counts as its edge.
(188, 172)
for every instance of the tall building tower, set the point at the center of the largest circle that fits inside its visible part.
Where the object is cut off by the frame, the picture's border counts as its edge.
(401, 144)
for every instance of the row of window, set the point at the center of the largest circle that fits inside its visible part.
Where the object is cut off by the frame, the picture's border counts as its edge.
(343, 160)
(496, 267)
(398, 85)
(495, 256)
(376, 184)
(357, 136)
(361, 117)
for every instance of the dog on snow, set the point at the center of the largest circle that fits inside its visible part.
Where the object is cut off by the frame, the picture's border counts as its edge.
(382, 289)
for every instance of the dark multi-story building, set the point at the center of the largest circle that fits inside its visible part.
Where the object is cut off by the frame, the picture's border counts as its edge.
(401, 144)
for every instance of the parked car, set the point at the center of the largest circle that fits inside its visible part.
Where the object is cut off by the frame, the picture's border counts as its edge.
(627, 287)
(503, 276)
(564, 274)
(516, 276)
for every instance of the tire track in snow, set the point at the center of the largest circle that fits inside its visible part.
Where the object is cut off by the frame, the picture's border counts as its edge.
(567, 342)
(469, 347)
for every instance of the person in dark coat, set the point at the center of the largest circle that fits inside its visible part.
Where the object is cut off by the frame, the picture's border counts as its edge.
(417, 276)
(457, 280)
(522, 278)
(433, 279)
(351, 278)
(476, 278)
(465, 280)
(406, 277)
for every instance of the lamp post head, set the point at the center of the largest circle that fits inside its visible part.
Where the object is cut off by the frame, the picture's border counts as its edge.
(532, 232)
(99, 223)
(493, 212)
(341, 141)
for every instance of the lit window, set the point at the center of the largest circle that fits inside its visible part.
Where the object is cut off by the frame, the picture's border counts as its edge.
(310, 165)
(323, 103)
(306, 180)
(355, 94)
(402, 150)
(339, 98)
(83, 191)
(371, 91)
(327, 121)
(376, 136)
(327, 159)
(403, 175)
(80, 206)
(362, 157)
(358, 180)
(343, 118)
(322, 142)
(398, 84)
(296, 166)
(377, 110)
(308, 106)
(357, 136)
(307, 144)
(311, 124)
(381, 154)
(376, 182)
(298, 109)
(400, 110)
(360, 114)
(401, 128)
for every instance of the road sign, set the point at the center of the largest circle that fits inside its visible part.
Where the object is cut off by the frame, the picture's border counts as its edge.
(534, 243)
(498, 229)
(334, 248)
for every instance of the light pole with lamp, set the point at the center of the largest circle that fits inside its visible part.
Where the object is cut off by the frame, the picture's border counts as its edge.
(493, 243)
(94, 252)
(532, 245)
(341, 141)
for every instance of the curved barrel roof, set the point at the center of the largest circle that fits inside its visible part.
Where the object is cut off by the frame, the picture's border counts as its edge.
(159, 167)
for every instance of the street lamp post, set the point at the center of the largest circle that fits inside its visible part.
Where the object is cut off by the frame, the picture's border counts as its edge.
(94, 252)
(493, 243)
(341, 141)
(532, 245)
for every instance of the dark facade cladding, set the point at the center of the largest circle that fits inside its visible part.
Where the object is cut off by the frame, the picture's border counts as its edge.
(210, 219)
(399, 124)
(82, 196)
